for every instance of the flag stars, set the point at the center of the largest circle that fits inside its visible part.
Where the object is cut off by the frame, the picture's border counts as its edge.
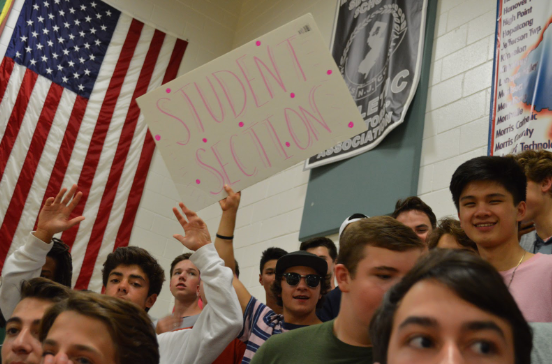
(56, 28)
(99, 16)
(30, 22)
(72, 10)
(35, 6)
(46, 4)
(76, 75)
(62, 13)
(92, 30)
(34, 34)
(81, 60)
(56, 1)
(65, 52)
(77, 48)
(24, 38)
(81, 33)
(86, 45)
(49, 70)
(93, 4)
(45, 31)
(50, 43)
(71, 64)
(97, 41)
(83, 7)
(60, 67)
(33, 62)
(77, 22)
(50, 16)
(87, 72)
(81, 87)
(18, 55)
(61, 40)
(88, 19)
(40, 19)
(39, 46)
(71, 36)
(28, 49)
(104, 28)
(92, 57)
(55, 55)
(108, 13)
(44, 58)
(64, 79)
(67, 25)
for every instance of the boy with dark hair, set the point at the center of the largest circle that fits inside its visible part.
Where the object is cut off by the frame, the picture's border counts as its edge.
(269, 258)
(489, 194)
(537, 165)
(323, 248)
(42, 254)
(300, 275)
(375, 253)
(132, 274)
(37, 296)
(416, 214)
(184, 286)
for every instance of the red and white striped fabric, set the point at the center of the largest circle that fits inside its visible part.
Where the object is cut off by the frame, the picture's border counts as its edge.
(54, 132)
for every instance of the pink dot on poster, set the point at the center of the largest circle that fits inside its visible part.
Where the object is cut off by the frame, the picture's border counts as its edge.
(158, 137)
(258, 43)
(329, 72)
(292, 95)
(168, 90)
(241, 124)
(198, 181)
(287, 144)
(351, 124)
(204, 140)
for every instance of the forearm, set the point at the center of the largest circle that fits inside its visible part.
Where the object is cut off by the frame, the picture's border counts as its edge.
(225, 247)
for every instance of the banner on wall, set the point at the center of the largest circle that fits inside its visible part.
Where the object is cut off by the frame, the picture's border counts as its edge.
(5, 9)
(378, 47)
(521, 118)
(251, 113)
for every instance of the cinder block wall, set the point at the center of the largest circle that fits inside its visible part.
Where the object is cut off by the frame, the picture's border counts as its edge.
(456, 125)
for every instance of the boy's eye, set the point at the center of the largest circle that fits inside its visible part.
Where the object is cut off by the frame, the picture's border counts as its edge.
(421, 342)
(484, 347)
(12, 331)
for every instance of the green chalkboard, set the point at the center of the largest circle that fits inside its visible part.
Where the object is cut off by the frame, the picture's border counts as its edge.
(372, 182)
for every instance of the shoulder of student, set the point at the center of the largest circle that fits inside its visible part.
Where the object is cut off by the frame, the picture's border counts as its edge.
(542, 336)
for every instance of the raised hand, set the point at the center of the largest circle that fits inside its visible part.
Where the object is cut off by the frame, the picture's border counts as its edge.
(232, 202)
(54, 216)
(196, 233)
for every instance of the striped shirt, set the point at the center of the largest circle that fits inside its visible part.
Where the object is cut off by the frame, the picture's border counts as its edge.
(259, 324)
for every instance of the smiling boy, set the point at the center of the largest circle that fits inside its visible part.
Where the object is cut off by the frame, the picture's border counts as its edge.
(489, 194)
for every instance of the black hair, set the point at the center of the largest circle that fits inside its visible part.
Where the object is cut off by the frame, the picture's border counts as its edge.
(414, 203)
(236, 268)
(44, 289)
(133, 255)
(320, 241)
(470, 278)
(64, 264)
(502, 170)
(271, 254)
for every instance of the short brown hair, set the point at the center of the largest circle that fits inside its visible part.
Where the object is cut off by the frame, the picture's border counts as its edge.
(380, 231)
(131, 329)
(178, 259)
(537, 164)
(44, 289)
(276, 289)
(452, 227)
(414, 203)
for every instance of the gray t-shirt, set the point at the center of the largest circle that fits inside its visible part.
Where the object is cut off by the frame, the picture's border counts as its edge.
(542, 339)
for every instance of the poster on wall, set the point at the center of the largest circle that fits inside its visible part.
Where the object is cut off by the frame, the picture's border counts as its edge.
(520, 117)
(251, 113)
(378, 47)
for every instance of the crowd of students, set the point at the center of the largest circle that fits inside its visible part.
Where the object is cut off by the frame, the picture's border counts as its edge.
(404, 288)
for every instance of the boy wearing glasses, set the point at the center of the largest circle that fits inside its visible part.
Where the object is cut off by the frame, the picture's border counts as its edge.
(374, 254)
(299, 286)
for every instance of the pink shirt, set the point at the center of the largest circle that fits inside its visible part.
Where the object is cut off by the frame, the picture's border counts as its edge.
(532, 287)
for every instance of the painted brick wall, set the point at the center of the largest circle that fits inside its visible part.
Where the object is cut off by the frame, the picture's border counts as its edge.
(455, 127)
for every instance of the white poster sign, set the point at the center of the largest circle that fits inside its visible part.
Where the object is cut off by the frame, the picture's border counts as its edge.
(251, 113)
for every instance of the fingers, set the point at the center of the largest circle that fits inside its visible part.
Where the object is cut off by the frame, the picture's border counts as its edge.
(49, 201)
(228, 190)
(60, 195)
(179, 217)
(75, 201)
(75, 221)
(189, 213)
(180, 238)
(70, 195)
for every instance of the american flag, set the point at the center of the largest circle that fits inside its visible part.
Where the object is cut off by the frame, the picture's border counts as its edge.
(68, 85)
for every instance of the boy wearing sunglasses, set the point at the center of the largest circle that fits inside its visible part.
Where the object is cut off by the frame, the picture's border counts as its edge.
(374, 254)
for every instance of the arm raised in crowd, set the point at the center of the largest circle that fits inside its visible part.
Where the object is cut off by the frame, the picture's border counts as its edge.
(27, 261)
(221, 319)
(224, 243)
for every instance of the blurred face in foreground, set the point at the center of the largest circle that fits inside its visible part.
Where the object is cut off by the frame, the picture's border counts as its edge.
(21, 344)
(75, 338)
(433, 325)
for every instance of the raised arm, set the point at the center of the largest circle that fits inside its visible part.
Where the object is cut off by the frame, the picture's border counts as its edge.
(221, 319)
(224, 242)
(27, 261)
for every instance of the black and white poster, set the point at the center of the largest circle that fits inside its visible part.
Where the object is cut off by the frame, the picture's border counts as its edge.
(378, 47)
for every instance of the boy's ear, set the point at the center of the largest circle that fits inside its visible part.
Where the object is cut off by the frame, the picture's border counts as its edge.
(342, 277)
(546, 185)
(151, 300)
(521, 210)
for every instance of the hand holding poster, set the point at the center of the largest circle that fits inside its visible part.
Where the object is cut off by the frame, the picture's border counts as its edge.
(521, 118)
(251, 113)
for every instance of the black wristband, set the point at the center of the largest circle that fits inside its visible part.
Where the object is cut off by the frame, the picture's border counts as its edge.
(225, 237)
